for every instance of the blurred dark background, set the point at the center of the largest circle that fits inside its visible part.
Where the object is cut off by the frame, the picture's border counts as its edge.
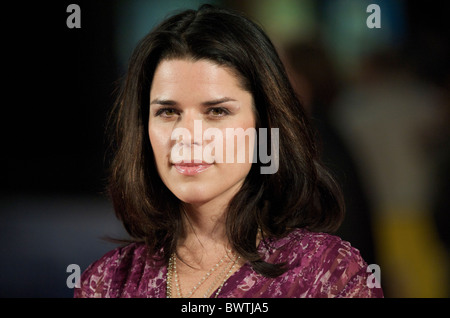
(379, 99)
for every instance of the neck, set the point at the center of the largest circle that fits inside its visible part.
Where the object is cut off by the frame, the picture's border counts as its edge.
(204, 226)
(204, 223)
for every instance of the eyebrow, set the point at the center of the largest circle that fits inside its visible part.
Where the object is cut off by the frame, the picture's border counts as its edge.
(168, 102)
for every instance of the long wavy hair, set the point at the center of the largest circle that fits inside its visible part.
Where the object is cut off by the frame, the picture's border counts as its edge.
(301, 194)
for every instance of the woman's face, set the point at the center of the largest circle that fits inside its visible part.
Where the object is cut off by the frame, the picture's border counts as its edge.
(198, 113)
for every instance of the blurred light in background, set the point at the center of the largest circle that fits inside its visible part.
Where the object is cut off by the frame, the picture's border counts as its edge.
(347, 37)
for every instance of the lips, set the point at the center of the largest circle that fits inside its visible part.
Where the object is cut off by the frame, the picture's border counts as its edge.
(191, 168)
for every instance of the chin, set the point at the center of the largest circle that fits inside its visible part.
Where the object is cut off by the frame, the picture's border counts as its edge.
(192, 195)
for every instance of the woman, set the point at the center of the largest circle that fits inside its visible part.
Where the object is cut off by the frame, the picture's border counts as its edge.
(212, 217)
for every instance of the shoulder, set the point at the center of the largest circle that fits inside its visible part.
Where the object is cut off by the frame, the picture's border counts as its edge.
(334, 265)
(104, 277)
(304, 243)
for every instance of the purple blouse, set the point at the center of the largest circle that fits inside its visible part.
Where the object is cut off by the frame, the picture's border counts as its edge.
(319, 265)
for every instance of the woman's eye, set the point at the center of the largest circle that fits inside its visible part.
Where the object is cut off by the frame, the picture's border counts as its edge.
(218, 111)
(166, 112)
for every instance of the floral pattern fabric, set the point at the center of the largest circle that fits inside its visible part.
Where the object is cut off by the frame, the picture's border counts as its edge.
(319, 265)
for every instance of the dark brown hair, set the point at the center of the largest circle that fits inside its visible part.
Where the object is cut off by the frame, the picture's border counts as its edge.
(301, 194)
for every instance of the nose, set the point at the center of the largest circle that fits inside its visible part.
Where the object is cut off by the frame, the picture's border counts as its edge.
(187, 134)
(191, 130)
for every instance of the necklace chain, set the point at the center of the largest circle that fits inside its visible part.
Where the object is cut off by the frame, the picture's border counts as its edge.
(173, 274)
(204, 278)
(233, 264)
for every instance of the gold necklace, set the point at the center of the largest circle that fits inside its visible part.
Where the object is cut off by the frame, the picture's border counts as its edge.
(207, 293)
(172, 273)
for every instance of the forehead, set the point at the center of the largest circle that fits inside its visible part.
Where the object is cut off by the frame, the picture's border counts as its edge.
(173, 73)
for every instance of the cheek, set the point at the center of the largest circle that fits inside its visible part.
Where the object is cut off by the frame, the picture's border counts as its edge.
(243, 143)
(159, 140)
